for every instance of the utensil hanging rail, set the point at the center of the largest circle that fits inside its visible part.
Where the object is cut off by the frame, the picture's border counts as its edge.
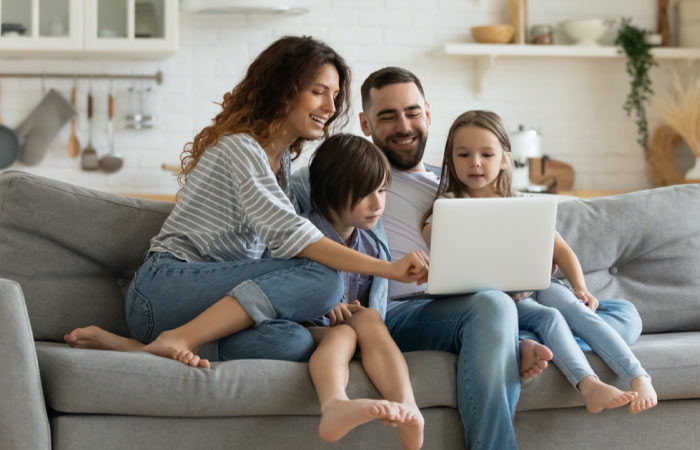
(157, 77)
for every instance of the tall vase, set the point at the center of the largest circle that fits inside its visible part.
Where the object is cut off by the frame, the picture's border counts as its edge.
(517, 9)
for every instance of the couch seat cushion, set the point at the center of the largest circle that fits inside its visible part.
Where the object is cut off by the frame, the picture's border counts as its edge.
(134, 383)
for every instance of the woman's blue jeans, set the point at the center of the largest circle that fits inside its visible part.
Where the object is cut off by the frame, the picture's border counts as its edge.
(167, 292)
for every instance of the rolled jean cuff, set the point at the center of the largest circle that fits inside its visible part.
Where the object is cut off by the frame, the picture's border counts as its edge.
(254, 301)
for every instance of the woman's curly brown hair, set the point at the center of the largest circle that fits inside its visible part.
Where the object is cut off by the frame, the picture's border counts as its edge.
(260, 103)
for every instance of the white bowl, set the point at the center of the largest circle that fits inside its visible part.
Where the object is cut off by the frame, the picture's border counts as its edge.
(586, 31)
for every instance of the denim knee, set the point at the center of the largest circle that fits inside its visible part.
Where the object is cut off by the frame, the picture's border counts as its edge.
(275, 339)
(626, 312)
(496, 307)
(328, 286)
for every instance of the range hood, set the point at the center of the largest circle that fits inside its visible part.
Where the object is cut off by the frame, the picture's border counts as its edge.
(244, 6)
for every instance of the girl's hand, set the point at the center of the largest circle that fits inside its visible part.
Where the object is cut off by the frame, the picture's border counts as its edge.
(587, 298)
(412, 267)
(517, 296)
(342, 312)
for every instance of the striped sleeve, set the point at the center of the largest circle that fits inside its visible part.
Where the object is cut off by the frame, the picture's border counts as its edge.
(265, 207)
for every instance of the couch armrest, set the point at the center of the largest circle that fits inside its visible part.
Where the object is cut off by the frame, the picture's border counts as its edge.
(23, 419)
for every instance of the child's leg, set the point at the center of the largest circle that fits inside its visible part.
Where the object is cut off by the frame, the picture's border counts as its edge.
(329, 372)
(386, 367)
(604, 341)
(554, 332)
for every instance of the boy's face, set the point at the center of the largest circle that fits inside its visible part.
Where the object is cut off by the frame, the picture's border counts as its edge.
(366, 212)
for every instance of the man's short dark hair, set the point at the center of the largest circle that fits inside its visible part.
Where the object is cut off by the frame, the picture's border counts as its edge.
(345, 169)
(384, 77)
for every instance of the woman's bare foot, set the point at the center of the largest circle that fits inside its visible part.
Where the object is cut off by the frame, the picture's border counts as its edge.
(339, 417)
(600, 396)
(533, 358)
(410, 427)
(98, 339)
(646, 395)
(170, 345)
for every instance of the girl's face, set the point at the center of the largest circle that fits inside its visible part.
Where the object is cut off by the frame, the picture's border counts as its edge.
(478, 159)
(366, 212)
(314, 105)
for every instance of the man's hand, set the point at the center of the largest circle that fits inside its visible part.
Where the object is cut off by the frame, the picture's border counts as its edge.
(587, 298)
(343, 312)
(412, 267)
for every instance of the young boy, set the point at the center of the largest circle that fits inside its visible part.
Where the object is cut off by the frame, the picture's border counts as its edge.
(348, 177)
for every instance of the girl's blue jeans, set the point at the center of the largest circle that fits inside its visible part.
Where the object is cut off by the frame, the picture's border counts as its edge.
(277, 294)
(557, 317)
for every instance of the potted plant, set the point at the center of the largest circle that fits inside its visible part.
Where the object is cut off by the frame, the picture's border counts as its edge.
(639, 62)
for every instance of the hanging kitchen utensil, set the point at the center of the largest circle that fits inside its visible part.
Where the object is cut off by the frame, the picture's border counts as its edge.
(88, 159)
(40, 127)
(111, 162)
(73, 142)
(9, 145)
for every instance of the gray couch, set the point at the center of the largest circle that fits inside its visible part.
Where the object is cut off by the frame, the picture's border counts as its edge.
(66, 257)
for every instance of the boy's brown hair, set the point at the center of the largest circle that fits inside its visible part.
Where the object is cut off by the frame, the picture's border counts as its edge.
(345, 169)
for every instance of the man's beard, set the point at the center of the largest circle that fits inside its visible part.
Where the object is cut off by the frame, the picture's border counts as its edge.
(402, 161)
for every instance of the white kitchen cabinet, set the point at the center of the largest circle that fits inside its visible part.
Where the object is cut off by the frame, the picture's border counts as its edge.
(89, 28)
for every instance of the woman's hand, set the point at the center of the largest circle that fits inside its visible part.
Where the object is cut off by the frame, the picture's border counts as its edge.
(343, 312)
(587, 298)
(412, 267)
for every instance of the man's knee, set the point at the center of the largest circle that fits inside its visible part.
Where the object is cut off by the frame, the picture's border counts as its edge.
(495, 306)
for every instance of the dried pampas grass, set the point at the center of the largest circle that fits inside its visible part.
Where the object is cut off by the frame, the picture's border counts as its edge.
(681, 111)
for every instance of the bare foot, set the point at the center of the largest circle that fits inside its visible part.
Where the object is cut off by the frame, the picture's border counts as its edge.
(170, 345)
(410, 427)
(600, 396)
(339, 417)
(646, 397)
(98, 339)
(533, 358)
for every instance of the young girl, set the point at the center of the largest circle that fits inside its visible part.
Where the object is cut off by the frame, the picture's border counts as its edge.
(477, 163)
(348, 177)
(204, 278)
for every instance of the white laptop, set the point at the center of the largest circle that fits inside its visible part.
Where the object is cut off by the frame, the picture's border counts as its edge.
(479, 244)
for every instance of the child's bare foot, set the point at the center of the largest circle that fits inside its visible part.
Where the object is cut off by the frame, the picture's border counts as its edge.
(600, 396)
(98, 339)
(533, 358)
(646, 395)
(410, 427)
(170, 345)
(339, 417)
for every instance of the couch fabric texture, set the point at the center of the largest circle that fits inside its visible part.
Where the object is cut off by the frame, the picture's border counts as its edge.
(68, 253)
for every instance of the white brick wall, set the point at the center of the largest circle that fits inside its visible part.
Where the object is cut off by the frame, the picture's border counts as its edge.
(576, 104)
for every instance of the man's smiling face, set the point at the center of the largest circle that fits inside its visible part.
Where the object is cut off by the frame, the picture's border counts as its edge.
(397, 119)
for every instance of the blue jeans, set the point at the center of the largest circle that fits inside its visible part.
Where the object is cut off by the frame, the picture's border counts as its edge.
(482, 330)
(555, 314)
(167, 292)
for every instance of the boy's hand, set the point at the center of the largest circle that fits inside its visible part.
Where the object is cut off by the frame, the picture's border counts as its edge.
(342, 312)
(412, 267)
(587, 298)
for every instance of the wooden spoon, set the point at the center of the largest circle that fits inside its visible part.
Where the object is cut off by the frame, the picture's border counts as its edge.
(73, 142)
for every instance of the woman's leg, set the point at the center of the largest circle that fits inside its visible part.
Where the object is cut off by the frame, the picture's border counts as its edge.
(187, 304)
(387, 368)
(330, 373)
(554, 332)
(604, 341)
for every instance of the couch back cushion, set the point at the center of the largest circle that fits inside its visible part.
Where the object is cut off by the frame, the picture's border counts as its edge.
(643, 247)
(73, 250)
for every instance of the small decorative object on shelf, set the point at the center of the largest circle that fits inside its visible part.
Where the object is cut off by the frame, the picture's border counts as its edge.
(639, 61)
(542, 35)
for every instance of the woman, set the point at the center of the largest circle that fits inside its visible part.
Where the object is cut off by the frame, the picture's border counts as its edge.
(204, 277)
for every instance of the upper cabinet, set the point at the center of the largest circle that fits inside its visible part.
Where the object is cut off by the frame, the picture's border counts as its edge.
(89, 28)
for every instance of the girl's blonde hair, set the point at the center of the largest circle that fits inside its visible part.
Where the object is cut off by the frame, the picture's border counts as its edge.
(449, 182)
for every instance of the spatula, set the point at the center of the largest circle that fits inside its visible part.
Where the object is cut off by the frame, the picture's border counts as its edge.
(73, 142)
(88, 159)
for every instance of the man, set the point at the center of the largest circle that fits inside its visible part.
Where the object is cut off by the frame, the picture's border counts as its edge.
(481, 329)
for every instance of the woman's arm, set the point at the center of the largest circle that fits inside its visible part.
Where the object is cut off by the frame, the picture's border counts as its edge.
(412, 267)
(427, 229)
(568, 263)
